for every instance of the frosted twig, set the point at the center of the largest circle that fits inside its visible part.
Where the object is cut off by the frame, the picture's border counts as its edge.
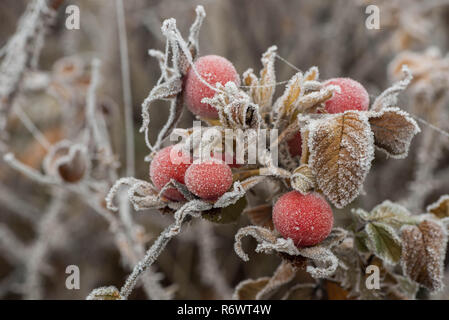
(18, 52)
(10, 201)
(209, 269)
(91, 113)
(37, 134)
(189, 209)
(126, 85)
(13, 248)
(29, 172)
(38, 251)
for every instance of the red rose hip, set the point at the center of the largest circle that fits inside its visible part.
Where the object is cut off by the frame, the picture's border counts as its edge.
(352, 96)
(167, 165)
(306, 219)
(209, 180)
(295, 145)
(212, 69)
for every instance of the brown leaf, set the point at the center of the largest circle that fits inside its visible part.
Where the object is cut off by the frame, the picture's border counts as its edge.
(440, 208)
(248, 289)
(284, 105)
(261, 216)
(263, 94)
(393, 131)
(341, 150)
(283, 274)
(302, 291)
(335, 292)
(423, 251)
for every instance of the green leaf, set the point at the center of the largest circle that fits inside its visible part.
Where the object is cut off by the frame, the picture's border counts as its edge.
(360, 241)
(384, 242)
(388, 213)
(228, 214)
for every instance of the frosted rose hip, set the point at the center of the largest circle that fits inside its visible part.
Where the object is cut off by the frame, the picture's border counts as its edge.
(306, 219)
(353, 96)
(213, 69)
(209, 180)
(164, 167)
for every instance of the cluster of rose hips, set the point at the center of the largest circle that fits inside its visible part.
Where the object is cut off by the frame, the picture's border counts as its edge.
(306, 219)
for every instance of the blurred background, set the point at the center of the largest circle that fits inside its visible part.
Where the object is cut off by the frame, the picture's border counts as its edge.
(34, 252)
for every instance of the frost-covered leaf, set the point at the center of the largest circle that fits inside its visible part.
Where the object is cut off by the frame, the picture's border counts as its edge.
(141, 194)
(195, 31)
(389, 97)
(341, 151)
(262, 89)
(315, 98)
(248, 289)
(423, 252)
(261, 216)
(384, 242)
(227, 214)
(325, 261)
(176, 108)
(105, 293)
(393, 131)
(239, 190)
(303, 179)
(404, 289)
(262, 235)
(440, 208)
(283, 274)
(286, 103)
(387, 212)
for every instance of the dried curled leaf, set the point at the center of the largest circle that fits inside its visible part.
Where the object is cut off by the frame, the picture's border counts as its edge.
(440, 208)
(302, 291)
(389, 97)
(239, 190)
(283, 274)
(423, 252)
(384, 242)
(105, 293)
(141, 194)
(326, 262)
(393, 131)
(341, 151)
(262, 89)
(235, 109)
(248, 289)
(263, 288)
(286, 103)
(303, 179)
